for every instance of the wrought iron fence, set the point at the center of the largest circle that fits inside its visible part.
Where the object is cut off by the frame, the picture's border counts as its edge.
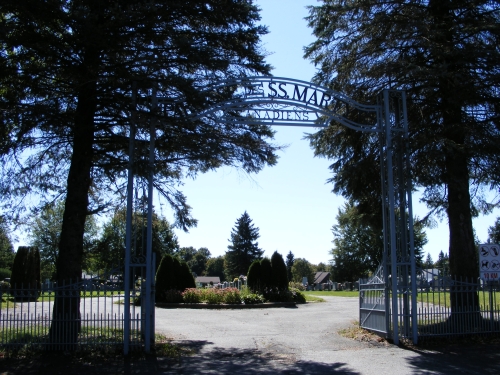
(27, 316)
(446, 306)
(449, 306)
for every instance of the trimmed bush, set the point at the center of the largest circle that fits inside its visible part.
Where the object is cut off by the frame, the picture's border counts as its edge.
(172, 296)
(172, 275)
(185, 277)
(279, 277)
(254, 277)
(25, 277)
(164, 278)
(266, 278)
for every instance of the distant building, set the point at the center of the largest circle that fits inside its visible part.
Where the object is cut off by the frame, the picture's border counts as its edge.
(321, 278)
(207, 280)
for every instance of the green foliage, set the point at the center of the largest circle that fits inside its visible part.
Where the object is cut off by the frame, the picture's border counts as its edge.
(443, 264)
(4, 273)
(71, 72)
(25, 277)
(196, 259)
(494, 232)
(290, 258)
(254, 276)
(6, 247)
(253, 298)
(428, 263)
(215, 267)
(266, 275)
(297, 296)
(164, 277)
(45, 233)
(185, 277)
(302, 268)
(442, 54)
(192, 295)
(358, 246)
(243, 249)
(296, 285)
(279, 272)
(172, 275)
(232, 296)
(109, 253)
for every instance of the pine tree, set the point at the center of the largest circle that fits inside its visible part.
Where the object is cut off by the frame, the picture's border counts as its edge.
(429, 263)
(494, 232)
(444, 54)
(243, 249)
(71, 72)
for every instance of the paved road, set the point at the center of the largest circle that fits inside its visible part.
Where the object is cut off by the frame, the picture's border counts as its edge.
(302, 340)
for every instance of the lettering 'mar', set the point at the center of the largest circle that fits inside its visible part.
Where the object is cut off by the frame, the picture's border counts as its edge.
(285, 101)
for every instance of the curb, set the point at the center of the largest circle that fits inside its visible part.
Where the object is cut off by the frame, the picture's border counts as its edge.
(224, 306)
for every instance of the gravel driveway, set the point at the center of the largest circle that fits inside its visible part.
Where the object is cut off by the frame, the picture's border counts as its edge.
(302, 340)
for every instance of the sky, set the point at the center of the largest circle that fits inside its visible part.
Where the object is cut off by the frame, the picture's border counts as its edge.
(291, 203)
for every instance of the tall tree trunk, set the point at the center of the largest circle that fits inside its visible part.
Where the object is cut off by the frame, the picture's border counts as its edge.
(66, 322)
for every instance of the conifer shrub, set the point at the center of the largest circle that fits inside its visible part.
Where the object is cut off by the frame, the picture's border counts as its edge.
(172, 278)
(25, 277)
(185, 277)
(254, 277)
(266, 273)
(279, 276)
(164, 278)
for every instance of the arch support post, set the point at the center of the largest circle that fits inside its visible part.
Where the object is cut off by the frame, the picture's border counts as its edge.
(399, 251)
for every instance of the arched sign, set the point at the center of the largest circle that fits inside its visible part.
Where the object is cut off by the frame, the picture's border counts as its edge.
(278, 101)
(282, 101)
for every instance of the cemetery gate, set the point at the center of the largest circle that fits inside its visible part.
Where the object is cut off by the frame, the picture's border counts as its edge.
(279, 101)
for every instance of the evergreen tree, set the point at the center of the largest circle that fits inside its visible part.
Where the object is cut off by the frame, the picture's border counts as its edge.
(266, 275)
(6, 248)
(289, 264)
(428, 263)
(71, 72)
(444, 54)
(279, 272)
(25, 277)
(443, 264)
(243, 249)
(358, 247)
(494, 232)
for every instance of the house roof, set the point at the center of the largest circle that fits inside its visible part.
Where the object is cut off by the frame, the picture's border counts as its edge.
(208, 279)
(321, 277)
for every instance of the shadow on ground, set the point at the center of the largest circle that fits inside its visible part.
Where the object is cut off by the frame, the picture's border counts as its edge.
(193, 361)
(481, 359)
(244, 361)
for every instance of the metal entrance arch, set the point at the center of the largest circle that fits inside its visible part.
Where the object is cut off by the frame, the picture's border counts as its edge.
(278, 101)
